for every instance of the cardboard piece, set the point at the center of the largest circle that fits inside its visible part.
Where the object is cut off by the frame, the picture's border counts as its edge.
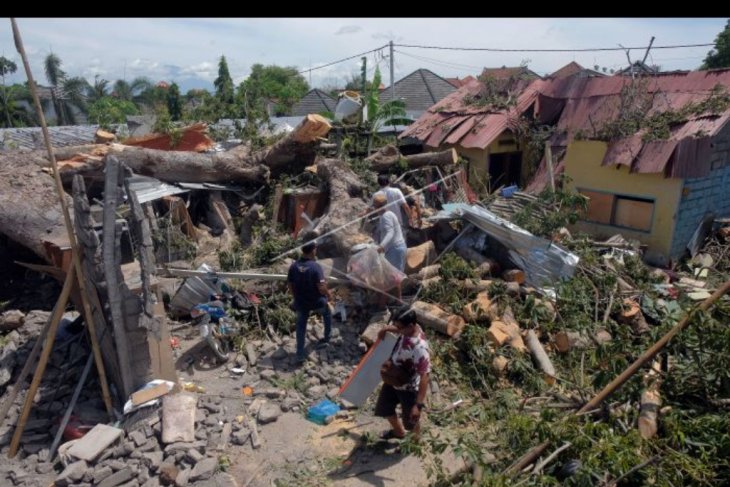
(366, 376)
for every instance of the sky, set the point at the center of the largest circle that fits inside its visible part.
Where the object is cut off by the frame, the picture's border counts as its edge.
(187, 50)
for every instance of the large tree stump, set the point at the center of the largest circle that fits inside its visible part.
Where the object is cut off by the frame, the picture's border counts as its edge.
(631, 315)
(419, 257)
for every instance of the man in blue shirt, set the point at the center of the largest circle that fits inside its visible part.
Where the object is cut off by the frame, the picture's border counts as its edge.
(309, 288)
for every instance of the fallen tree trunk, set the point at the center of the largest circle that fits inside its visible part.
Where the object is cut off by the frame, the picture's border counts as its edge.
(341, 222)
(292, 153)
(389, 156)
(29, 210)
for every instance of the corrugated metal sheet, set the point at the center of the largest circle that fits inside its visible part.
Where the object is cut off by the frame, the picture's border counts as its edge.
(31, 138)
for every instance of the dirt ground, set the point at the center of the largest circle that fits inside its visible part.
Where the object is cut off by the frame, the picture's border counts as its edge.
(295, 451)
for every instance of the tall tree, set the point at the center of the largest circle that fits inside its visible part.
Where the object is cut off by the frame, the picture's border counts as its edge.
(66, 93)
(133, 91)
(6, 67)
(98, 90)
(174, 105)
(224, 83)
(283, 85)
(719, 57)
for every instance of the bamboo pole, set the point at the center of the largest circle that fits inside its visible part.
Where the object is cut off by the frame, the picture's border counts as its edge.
(47, 349)
(653, 350)
(88, 317)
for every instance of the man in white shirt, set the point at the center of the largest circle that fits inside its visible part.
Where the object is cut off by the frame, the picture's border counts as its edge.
(396, 202)
(390, 240)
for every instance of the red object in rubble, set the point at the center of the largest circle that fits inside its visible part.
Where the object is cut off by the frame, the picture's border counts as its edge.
(75, 428)
(174, 343)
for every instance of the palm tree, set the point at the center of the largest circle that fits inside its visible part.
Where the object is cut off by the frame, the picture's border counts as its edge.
(98, 90)
(66, 93)
(17, 113)
(131, 91)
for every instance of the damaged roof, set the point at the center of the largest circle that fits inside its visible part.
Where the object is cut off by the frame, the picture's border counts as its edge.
(31, 138)
(582, 104)
(419, 90)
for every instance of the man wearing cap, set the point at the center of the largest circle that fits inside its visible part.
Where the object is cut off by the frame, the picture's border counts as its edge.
(309, 289)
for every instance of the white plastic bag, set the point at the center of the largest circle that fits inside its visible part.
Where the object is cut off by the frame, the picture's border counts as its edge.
(369, 268)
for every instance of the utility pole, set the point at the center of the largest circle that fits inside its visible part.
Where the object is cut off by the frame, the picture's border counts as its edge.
(392, 79)
(364, 74)
(646, 54)
(310, 71)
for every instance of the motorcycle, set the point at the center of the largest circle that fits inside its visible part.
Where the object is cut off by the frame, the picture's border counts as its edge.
(216, 327)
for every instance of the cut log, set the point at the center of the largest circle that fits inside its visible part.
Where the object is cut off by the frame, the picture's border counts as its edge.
(566, 341)
(514, 275)
(427, 272)
(540, 356)
(499, 365)
(488, 268)
(651, 401)
(507, 331)
(437, 319)
(104, 137)
(479, 308)
(420, 256)
(389, 156)
(632, 316)
(478, 285)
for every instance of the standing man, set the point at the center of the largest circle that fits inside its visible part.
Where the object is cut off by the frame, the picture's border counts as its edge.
(309, 289)
(391, 241)
(395, 199)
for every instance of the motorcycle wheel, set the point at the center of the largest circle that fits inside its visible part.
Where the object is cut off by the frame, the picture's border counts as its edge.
(220, 348)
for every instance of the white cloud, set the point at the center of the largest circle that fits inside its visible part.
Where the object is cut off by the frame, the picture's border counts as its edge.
(190, 48)
(348, 29)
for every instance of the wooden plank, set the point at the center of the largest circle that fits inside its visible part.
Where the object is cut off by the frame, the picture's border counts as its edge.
(162, 361)
(634, 214)
(145, 395)
(90, 446)
(600, 206)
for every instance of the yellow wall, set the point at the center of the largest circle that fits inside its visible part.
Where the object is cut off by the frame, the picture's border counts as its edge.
(583, 164)
(479, 158)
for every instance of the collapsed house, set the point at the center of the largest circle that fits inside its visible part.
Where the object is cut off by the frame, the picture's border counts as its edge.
(651, 154)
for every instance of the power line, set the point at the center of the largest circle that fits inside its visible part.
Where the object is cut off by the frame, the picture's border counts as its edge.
(342, 60)
(438, 62)
(591, 49)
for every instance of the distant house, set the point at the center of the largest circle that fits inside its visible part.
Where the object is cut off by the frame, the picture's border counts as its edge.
(637, 68)
(419, 90)
(517, 72)
(573, 69)
(315, 101)
(458, 83)
(656, 184)
(480, 130)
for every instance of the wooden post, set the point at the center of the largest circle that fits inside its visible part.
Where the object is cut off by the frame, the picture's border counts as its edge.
(79, 272)
(47, 349)
(549, 163)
